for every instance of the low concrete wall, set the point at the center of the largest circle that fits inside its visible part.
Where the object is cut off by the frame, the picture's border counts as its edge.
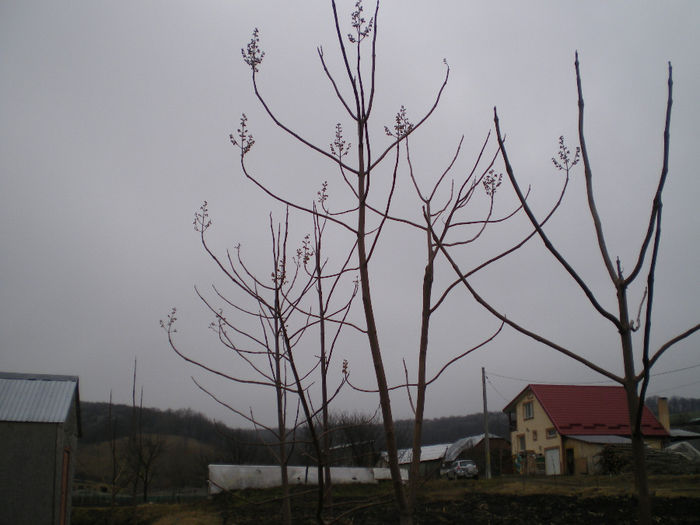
(236, 477)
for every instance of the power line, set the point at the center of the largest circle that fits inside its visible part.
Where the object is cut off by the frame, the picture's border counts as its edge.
(656, 393)
(523, 380)
(496, 389)
(676, 370)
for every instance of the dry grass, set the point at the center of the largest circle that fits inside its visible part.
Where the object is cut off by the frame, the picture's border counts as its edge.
(581, 486)
(190, 517)
(261, 507)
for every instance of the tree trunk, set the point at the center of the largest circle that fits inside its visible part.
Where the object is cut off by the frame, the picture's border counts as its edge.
(406, 516)
(325, 445)
(414, 477)
(286, 504)
(640, 478)
(281, 429)
(639, 461)
(638, 457)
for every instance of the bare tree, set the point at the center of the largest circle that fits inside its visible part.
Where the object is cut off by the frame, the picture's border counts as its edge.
(330, 326)
(118, 465)
(356, 438)
(269, 346)
(368, 214)
(634, 380)
(143, 449)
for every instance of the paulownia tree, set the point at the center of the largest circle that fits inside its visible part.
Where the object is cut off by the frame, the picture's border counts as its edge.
(370, 175)
(267, 347)
(635, 378)
(330, 320)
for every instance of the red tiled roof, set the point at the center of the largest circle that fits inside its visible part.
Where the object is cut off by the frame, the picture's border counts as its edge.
(591, 410)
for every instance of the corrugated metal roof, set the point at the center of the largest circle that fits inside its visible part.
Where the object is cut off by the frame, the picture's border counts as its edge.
(681, 433)
(36, 398)
(446, 451)
(460, 445)
(427, 453)
(603, 439)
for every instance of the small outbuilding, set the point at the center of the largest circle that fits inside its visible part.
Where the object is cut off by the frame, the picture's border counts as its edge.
(39, 430)
(472, 447)
(431, 458)
(436, 458)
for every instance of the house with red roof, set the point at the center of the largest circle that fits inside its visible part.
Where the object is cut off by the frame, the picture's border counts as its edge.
(557, 429)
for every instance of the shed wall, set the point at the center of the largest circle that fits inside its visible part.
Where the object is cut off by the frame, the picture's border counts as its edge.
(32, 455)
(27, 473)
(67, 440)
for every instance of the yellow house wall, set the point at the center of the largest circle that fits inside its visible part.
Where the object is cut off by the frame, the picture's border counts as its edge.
(537, 425)
(583, 453)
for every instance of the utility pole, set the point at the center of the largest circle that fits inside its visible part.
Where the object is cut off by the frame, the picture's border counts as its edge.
(487, 440)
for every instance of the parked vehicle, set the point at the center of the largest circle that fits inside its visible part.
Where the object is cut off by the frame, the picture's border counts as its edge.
(462, 468)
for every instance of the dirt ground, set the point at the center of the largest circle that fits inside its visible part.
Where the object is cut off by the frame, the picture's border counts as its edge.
(544, 509)
(565, 500)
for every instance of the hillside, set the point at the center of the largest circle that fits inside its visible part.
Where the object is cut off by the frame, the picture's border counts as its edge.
(184, 442)
(178, 443)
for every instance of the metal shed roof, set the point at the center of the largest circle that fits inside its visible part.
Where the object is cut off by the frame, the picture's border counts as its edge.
(427, 453)
(465, 443)
(34, 398)
(445, 451)
(603, 439)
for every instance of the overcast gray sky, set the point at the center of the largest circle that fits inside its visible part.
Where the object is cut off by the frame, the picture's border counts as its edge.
(114, 124)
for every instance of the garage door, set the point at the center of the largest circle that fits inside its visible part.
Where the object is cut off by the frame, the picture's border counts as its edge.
(552, 464)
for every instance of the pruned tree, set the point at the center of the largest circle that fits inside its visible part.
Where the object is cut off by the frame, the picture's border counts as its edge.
(281, 322)
(635, 378)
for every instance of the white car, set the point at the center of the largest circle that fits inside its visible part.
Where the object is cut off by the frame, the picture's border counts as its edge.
(462, 468)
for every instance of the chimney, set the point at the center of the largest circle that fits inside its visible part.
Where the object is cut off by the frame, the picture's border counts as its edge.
(664, 418)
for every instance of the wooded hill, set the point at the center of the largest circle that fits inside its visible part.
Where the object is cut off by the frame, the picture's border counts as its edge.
(183, 442)
(194, 425)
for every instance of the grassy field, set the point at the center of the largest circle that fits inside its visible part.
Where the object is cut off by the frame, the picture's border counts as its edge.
(565, 500)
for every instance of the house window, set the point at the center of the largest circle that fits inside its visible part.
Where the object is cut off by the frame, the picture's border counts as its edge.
(534, 435)
(521, 442)
(551, 433)
(528, 410)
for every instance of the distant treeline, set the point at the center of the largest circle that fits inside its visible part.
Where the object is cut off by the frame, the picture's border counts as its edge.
(183, 422)
(188, 423)
(676, 405)
(194, 425)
